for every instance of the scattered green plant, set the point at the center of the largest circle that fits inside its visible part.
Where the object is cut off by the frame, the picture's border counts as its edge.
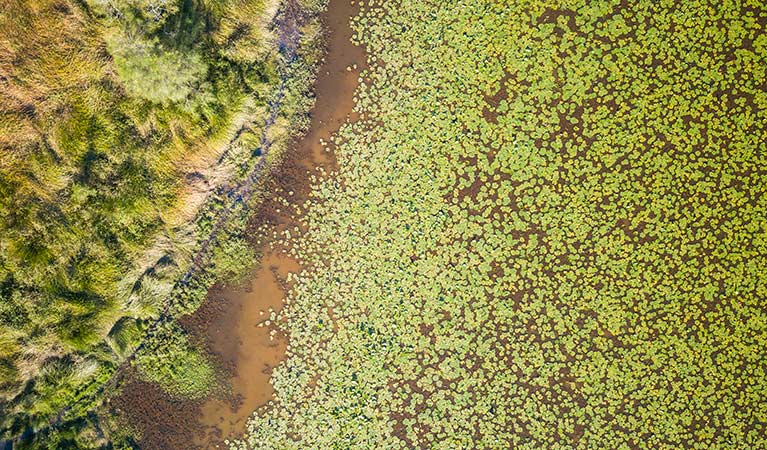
(547, 230)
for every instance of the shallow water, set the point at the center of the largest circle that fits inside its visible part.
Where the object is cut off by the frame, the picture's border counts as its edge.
(235, 335)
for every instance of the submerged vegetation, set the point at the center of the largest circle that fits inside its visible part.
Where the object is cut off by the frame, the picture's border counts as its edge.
(133, 135)
(547, 230)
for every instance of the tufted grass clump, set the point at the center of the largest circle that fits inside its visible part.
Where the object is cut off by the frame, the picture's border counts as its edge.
(171, 361)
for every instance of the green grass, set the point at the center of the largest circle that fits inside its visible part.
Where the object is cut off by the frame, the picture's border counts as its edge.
(548, 231)
(171, 361)
(97, 227)
(105, 108)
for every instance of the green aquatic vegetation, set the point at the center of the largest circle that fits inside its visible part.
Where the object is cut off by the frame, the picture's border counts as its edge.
(546, 231)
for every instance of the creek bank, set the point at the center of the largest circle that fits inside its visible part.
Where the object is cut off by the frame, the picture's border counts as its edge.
(232, 322)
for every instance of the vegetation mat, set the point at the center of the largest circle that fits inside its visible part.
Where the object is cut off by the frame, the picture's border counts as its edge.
(547, 230)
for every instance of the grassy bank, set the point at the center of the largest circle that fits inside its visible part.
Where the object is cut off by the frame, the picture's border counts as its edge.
(133, 140)
(546, 231)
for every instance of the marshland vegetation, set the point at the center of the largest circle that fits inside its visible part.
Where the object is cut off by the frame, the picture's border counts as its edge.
(546, 227)
(546, 230)
(134, 136)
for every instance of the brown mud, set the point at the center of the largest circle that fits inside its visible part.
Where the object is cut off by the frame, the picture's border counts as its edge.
(231, 323)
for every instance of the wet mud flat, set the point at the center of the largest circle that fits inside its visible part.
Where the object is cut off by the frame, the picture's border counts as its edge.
(233, 324)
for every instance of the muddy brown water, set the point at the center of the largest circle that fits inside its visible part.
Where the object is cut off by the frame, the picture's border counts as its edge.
(227, 324)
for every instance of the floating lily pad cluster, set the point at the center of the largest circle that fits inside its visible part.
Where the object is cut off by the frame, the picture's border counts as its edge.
(548, 230)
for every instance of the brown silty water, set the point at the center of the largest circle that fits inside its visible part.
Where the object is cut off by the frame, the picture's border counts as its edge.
(227, 323)
(235, 335)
